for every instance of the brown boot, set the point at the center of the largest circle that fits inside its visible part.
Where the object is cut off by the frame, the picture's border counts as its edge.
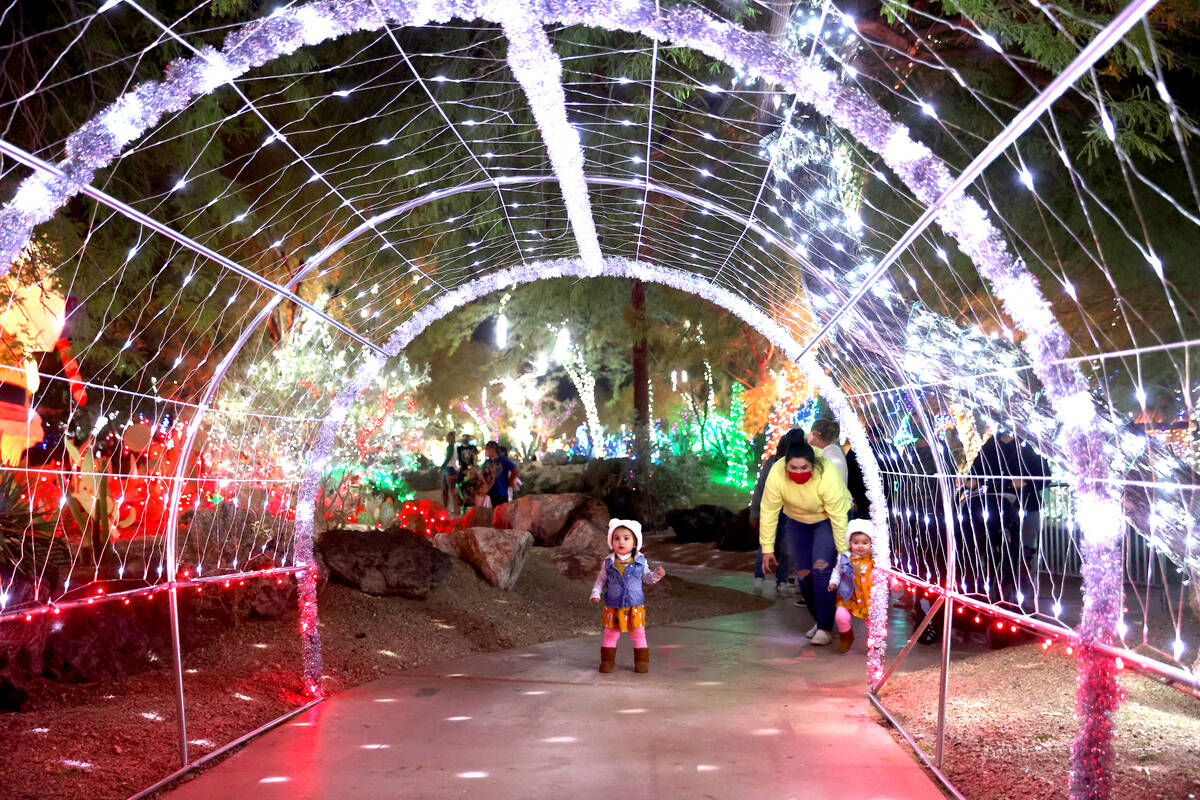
(641, 659)
(845, 639)
(608, 658)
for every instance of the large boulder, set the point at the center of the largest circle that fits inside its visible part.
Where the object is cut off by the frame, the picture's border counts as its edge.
(393, 561)
(21, 643)
(551, 478)
(738, 534)
(106, 641)
(704, 523)
(475, 517)
(583, 549)
(498, 555)
(549, 516)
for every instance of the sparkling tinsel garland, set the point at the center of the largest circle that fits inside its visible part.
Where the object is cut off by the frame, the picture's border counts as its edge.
(535, 64)
(852, 426)
(101, 140)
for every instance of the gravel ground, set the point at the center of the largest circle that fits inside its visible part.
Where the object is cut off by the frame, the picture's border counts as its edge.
(1011, 719)
(108, 741)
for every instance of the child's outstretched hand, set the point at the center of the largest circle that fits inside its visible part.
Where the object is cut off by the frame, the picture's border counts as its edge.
(660, 572)
(595, 599)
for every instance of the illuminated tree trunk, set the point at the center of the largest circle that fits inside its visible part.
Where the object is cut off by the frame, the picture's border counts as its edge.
(641, 380)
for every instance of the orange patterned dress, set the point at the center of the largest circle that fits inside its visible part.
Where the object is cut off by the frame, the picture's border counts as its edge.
(859, 604)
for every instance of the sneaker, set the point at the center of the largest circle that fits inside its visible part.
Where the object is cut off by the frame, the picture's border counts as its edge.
(799, 601)
(820, 638)
(782, 590)
(758, 582)
(811, 632)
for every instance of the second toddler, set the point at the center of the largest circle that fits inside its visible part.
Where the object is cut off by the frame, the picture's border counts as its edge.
(852, 578)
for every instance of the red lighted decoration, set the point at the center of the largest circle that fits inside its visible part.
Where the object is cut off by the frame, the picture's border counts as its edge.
(426, 517)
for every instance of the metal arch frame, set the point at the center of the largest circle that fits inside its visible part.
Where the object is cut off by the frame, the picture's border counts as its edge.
(1134, 12)
(281, 292)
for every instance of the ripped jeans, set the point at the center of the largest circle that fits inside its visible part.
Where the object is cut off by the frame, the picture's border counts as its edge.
(813, 556)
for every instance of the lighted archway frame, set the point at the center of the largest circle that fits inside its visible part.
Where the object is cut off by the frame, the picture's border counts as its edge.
(1086, 453)
(578, 268)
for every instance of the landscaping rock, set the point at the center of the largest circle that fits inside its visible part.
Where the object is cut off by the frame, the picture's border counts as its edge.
(551, 479)
(498, 555)
(704, 523)
(393, 561)
(475, 517)
(583, 550)
(108, 641)
(548, 516)
(21, 643)
(738, 535)
(225, 534)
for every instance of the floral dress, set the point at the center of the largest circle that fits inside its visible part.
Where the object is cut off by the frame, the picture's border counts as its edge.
(859, 603)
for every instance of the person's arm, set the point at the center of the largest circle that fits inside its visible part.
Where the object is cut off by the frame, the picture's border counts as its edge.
(772, 504)
(601, 582)
(652, 576)
(756, 498)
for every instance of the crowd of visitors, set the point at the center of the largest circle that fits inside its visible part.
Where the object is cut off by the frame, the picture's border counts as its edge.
(467, 483)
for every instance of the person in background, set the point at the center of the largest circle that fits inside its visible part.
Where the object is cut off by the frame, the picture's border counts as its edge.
(814, 501)
(498, 471)
(515, 482)
(783, 569)
(825, 438)
(1010, 466)
(450, 476)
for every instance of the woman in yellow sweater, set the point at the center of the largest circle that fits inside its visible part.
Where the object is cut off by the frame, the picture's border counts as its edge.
(815, 503)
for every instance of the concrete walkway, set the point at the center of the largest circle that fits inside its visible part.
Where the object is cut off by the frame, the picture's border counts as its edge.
(733, 707)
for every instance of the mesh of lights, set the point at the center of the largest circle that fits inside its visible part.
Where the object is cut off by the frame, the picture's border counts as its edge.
(310, 24)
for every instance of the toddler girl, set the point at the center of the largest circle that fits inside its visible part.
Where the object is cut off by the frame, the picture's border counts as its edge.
(620, 583)
(852, 579)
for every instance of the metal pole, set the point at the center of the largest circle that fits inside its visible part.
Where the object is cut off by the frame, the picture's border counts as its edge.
(944, 680)
(912, 640)
(180, 712)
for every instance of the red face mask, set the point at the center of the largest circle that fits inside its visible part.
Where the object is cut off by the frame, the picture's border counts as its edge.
(799, 477)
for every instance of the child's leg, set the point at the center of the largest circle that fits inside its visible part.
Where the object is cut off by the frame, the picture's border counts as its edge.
(611, 635)
(842, 616)
(641, 653)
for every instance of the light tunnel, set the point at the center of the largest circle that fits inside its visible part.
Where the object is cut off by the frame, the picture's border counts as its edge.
(794, 198)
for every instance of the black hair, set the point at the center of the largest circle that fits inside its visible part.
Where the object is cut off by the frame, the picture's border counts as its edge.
(786, 441)
(804, 450)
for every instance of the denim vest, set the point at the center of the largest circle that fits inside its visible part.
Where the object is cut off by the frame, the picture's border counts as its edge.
(625, 591)
(846, 582)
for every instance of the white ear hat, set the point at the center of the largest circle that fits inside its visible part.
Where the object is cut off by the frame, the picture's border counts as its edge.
(860, 526)
(631, 524)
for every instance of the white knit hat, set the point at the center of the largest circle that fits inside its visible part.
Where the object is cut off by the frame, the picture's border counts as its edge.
(631, 524)
(860, 526)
